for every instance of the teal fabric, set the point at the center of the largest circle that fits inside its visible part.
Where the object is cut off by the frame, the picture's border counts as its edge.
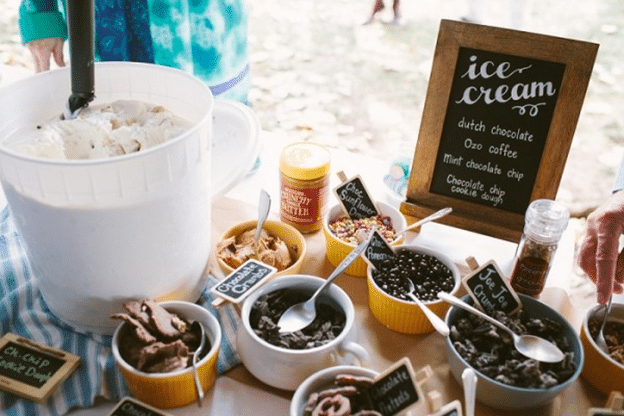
(207, 38)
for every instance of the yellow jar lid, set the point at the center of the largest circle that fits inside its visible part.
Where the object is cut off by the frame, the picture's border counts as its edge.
(304, 161)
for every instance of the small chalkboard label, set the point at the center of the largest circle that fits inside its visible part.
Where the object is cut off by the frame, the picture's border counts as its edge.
(490, 290)
(378, 249)
(241, 282)
(453, 408)
(132, 407)
(32, 370)
(395, 389)
(355, 199)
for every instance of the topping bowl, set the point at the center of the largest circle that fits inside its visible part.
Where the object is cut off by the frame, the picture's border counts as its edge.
(176, 388)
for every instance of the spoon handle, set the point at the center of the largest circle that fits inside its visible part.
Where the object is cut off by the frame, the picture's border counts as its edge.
(469, 379)
(438, 323)
(600, 340)
(263, 212)
(438, 214)
(458, 302)
(346, 262)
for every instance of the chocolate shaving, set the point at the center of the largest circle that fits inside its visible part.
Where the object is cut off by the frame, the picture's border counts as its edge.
(166, 324)
(159, 357)
(142, 334)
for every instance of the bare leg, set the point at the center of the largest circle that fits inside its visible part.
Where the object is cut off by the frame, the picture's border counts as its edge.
(379, 6)
(395, 9)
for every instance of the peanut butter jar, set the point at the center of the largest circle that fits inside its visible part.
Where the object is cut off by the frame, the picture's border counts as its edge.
(304, 185)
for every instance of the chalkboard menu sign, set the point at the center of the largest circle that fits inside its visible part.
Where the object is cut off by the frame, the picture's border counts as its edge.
(495, 129)
(240, 283)
(132, 407)
(498, 122)
(32, 370)
(490, 289)
(395, 389)
(355, 199)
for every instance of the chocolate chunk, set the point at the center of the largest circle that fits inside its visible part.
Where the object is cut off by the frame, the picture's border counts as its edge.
(266, 311)
(159, 357)
(166, 324)
(141, 332)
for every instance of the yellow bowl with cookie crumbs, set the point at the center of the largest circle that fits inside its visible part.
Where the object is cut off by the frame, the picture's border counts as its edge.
(293, 239)
(339, 233)
(304, 185)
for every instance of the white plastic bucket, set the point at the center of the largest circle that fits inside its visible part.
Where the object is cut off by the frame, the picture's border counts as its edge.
(100, 232)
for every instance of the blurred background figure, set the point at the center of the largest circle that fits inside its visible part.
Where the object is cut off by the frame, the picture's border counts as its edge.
(207, 38)
(378, 6)
(517, 13)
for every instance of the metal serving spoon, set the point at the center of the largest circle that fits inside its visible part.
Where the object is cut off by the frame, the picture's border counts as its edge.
(600, 339)
(435, 320)
(436, 215)
(528, 345)
(302, 314)
(196, 354)
(263, 212)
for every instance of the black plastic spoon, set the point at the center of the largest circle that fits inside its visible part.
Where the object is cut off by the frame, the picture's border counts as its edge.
(81, 17)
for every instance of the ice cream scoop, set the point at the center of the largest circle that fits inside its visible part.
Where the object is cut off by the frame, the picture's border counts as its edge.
(80, 19)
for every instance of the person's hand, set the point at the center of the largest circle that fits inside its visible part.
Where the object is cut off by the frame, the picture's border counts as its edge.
(599, 254)
(43, 50)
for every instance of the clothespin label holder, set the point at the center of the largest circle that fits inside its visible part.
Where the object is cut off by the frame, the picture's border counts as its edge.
(613, 407)
(129, 406)
(396, 389)
(32, 370)
(490, 289)
(243, 281)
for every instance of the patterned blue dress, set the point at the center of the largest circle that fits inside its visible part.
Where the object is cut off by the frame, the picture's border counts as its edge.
(207, 38)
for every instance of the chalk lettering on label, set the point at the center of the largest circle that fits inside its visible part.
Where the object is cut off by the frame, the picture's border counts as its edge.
(501, 70)
(472, 125)
(517, 134)
(12, 365)
(533, 109)
(514, 174)
(487, 167)
(504, 93)
(11, 351)
(504, 150)
(469, 144)
(40, 377)
(452, 160)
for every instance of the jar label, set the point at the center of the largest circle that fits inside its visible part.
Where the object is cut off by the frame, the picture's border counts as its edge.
(302, 207)
(529, 275)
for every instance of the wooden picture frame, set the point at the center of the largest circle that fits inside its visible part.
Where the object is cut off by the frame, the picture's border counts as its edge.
(543, 77)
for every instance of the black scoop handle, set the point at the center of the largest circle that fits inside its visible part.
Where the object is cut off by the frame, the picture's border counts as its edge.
(81, 17)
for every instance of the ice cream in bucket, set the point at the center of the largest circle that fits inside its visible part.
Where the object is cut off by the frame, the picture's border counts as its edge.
(101, 231)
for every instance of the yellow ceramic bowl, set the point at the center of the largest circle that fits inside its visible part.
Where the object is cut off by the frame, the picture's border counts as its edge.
(599, 369)
(337, 249)
(175, 389)
(406, 317)
(290, 235)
